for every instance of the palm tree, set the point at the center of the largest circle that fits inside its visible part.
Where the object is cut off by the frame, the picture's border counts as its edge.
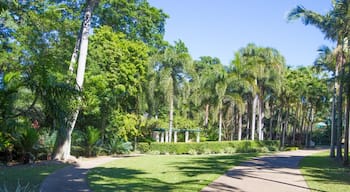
(264, 66)
(269, 80)
(221, 83)
(335, 25)
(240, 84)
(171, 66)
(326, 62)
(206, 81)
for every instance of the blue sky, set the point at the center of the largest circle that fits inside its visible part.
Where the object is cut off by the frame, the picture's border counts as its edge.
(218, 28)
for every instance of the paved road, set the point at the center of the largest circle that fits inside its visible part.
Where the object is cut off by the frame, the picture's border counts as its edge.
(72, 178)
(275, 173)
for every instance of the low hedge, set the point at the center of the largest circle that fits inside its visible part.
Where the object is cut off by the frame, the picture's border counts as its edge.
(208, 147)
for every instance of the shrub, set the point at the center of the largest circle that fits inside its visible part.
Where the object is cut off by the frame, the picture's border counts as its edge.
(92, 136)
(153, 152)
(192, 152)
(210, 147)
(116, 146)
(143, 147)
(46, 144)
(229, 150)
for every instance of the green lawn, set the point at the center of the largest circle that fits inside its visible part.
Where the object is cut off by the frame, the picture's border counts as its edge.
(162, 173)
(26, 175)
(325, 174)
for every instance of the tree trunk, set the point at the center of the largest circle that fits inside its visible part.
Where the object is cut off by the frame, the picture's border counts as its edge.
(271, 121)
(340, 107)
(63, 144)
(239, 126)
(171, 116)
(206, 119)
(270, 129)
(334, 116)
(307, 130)
(284, 128)
(279, 121)
(234, 123)
(346, 132)
(220, 124)
(311, 123)
(261, 118)
(253, 123)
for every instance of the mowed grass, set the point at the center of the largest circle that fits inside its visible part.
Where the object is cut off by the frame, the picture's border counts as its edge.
(162, 172)
(323, 173)
(26, 176)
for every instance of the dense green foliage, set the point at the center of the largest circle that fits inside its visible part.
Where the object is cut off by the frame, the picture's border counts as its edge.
(209, 147)
(136, 83)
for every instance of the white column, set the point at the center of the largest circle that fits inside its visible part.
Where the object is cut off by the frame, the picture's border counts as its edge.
(162, 137)
(166, 136)
(186, 137)
(157, 136)
(198, 137)
(175, 136)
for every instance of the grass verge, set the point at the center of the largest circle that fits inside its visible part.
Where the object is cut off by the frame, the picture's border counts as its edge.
(27, 177)
(162, 173)
(323, 173)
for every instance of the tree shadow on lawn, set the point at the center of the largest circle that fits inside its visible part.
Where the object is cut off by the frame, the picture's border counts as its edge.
(123, 179)
(212, 164)
(325, 170)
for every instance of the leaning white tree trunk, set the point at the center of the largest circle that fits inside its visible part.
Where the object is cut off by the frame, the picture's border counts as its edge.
(63, 147)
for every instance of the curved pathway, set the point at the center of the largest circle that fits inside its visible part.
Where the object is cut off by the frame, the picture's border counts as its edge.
(274, 173)
(72, 178)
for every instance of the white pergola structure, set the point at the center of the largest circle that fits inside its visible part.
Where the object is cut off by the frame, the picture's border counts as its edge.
(161, 135)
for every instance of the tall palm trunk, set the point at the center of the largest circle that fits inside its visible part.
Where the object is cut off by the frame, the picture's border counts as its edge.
(340, 107)
(271, 121)
(347, 121)
(346, 140)
(334, 116)
(253, 121)
(239, 126)
(63, 143)
(279, 122)
(220, 124)
(261, 117)
(284, 128)
(312, 112)
(171, 116)
(206, 118)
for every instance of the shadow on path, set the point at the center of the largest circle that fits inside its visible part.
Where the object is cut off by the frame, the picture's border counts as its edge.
(72, 178)
(277, 172)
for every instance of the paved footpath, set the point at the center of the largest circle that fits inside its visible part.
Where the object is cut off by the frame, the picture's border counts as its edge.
(274, 173)
(72, 178)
